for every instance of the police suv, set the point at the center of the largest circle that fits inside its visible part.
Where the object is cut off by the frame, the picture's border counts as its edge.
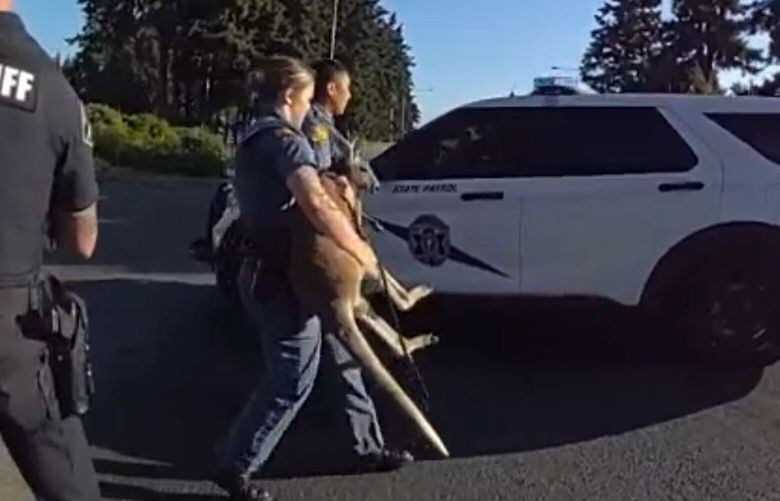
(668, 202)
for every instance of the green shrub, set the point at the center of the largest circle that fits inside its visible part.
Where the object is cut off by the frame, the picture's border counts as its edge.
(109, 131)
(152, 132)
(202, 144)
(101, 115)
(147, 142)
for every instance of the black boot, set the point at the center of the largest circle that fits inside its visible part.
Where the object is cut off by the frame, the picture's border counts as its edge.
(240, 487)
(384, 461)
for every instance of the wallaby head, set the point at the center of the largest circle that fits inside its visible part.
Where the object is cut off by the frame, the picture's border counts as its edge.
(354, 168)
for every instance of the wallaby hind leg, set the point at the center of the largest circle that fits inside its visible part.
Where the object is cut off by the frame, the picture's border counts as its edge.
(404, 299)
(356, 343)
(389, 335)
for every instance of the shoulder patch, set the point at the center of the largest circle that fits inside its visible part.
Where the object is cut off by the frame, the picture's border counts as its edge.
(86, 127)
(18, 87)
(319, 134)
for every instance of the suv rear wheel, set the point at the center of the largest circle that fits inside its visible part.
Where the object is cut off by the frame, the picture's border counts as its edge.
(727, 308)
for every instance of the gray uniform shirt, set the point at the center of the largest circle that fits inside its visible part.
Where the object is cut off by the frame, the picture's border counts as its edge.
(328, 143)
(268, 153)
(320, 128)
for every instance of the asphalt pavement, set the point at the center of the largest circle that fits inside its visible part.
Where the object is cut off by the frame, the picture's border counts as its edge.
(558, 401)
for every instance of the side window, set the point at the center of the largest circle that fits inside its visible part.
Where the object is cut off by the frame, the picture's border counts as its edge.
(539, 142)
(589, 141)
(455, 146)
(761, 131)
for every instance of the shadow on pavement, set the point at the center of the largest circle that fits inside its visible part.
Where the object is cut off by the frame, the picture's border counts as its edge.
(112, 490)
(525, 375)
(173, 366)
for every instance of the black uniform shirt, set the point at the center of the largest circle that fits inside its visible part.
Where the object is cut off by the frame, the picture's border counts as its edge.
(45, 150)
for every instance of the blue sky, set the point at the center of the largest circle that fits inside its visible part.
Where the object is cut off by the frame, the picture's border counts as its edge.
(476, 53)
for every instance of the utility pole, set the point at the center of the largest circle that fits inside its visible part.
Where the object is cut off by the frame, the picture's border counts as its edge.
(334, 26)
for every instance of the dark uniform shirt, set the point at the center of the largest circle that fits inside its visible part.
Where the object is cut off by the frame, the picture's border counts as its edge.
(45, 147)
(268, 153)
(320, 129)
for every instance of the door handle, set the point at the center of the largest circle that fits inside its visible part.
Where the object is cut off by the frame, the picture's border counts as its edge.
(683, 186)
(482, 195)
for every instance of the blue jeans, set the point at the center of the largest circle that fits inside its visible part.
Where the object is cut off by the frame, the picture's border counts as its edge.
(292, 342)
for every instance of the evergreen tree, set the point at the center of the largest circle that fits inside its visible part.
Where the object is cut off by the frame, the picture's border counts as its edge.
(710, 35)
(105, 69)
(188, 60)
(666, 74)
(766, 17)
(768, 88)
(625, 44)
(370, 42)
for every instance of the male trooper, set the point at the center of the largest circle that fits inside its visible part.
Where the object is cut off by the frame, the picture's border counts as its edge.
(46, 176)
(332, 94)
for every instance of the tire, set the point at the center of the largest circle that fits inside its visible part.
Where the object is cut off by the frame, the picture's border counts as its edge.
(725, 308)
(228, 263)
(219, 202)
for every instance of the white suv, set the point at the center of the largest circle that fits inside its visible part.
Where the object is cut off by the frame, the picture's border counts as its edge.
(670, 202)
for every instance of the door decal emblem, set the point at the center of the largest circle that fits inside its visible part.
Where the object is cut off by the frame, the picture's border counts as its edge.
(431, 230)
(429, 240)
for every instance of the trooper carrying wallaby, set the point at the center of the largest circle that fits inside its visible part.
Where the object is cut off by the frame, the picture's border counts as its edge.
(297, 285)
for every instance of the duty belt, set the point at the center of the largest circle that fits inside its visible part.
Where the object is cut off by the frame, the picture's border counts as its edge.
(14, 301)
(21, 281)
(21, 293)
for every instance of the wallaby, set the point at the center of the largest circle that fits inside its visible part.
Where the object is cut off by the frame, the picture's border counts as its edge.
(327, 279)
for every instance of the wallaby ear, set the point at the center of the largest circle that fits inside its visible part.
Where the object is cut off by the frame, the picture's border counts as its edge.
(353, 153)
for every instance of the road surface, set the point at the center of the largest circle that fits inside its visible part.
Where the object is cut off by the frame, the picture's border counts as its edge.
(559, 402)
